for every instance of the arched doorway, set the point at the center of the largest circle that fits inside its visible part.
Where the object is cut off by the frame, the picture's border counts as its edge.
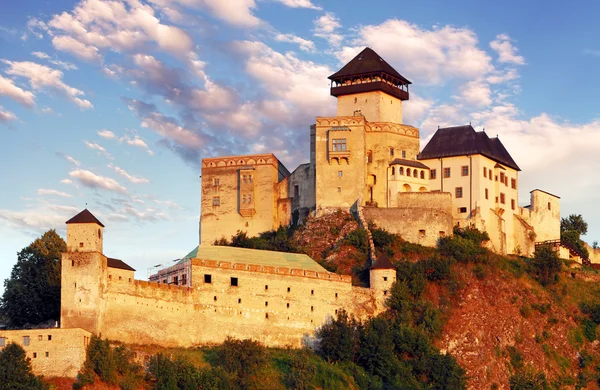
(406, 188)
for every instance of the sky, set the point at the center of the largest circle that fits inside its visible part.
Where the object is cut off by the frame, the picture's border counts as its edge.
(111, 105)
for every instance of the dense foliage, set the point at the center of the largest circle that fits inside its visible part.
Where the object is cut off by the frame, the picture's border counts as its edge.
(15, 370)
(279, 240)
(571, 230)
(32, 293)
(546, 265)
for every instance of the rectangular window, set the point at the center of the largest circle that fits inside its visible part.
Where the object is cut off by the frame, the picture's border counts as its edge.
(289, 289)
(432, 174)
(296, 190)
(513, 183)
(175, 280)
(249, 198)
(340, 173)
(339, 144)
(234, 282)
(184, 280)
(404, 154)
(502, 198)
(496, 199)
(216, 201)
(549, 207)
(312, 292)
(486, 193)
(47, 354)
(207, 278)
(490, 175)
(266, 286)
(40, 337)
(512, 204)
(2, 341)
(26, 340)
(458, 192)
(464, 171)
(484, 172)
(391, 152)
(462, 210)
(339, 189)
(446, 172)
(249, 179)
(502, 177)
(496, 177)
(216, 182)
(35, 355)
(245, 179)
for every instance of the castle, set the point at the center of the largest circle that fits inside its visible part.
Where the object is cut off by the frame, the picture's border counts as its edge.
(364, 158)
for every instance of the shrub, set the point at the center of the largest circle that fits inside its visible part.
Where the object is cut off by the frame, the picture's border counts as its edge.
(462, 249)
(15, 370)
(358, 239)
(242, 359)
(546, 265)
(588, 327)
(298, 371)
(479, 272)
(528, 380)
(382, 238)
(337, 340)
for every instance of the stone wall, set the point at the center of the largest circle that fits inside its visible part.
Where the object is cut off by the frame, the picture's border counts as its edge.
(422, 218)
(53, 352)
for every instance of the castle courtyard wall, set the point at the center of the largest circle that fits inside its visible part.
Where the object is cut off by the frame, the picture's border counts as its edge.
(54, 352)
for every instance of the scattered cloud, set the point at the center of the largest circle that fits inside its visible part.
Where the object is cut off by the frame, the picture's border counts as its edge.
(91, 180)
(43, 77)
(39, 218)
(106, 134)
(97, 147)
(40, 54)
(68, 158)
(76, 48)
(476, 93)
(304, 44)
(507, 53)
(299, 4)
(66, 181)
(42, 191)
(325, 28)
(133, 179)
(8, 88)
(6, 116)
(135, 141)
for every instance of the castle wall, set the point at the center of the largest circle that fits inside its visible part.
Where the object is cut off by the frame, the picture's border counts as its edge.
(207, 313)
(376, 106)
(545, 215)
(422, 217)
(53, 352)
(301, 189)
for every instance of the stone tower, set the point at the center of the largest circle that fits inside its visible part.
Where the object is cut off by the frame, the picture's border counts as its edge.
(382, 275)
(371, 86)
(83, 274)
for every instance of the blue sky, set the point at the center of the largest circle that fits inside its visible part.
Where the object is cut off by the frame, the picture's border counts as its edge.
(112, 104)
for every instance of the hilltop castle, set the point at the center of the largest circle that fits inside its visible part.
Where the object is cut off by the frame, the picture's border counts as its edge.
(365, 156)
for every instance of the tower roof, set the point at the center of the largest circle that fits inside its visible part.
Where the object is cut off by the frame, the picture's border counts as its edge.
(464, 140)
(85, 217)
(367, 62)
(383, 262)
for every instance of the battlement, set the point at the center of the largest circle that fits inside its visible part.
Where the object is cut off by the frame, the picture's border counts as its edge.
(272, 270)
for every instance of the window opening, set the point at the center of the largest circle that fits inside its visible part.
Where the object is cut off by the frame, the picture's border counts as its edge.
(26, 340)
(207, 278)
(234, 282)
(462, 209)
(459, 192)
(296, 190)
(465, 170)
(216, 201)
(340, 173)
(446, 172)
(339, 144)
(432, 174)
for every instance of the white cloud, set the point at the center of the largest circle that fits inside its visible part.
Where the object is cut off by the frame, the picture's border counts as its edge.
(300, 4)
(325, 27)
(106, 134)
(137, 142)
(42, 191)
(41, 77)
(40, 54)
(133, 179)
(167, 128)
(8, 88)
(99, 148)
(66, 181)
(40, 218)
(91, 180)
(64, 64)
(476, 93)
(76, 48)
(69, 158)
(304, 44)
(34, 26)
(507, 53)
(6, 116)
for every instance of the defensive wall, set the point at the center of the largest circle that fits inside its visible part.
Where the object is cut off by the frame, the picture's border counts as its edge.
(53, 352)
(422, 217)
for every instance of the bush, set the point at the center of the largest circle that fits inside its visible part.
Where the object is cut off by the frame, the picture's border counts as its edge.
(242, 359)
(528, 380)
(279, 240)
(169, 374)
(382, 238)
(298, 371)
(462, 249)
(358, 239)
(546, 265)
(15, 370)
(337, 340)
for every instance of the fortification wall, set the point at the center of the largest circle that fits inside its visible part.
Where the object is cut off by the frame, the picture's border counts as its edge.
(420, 218)
(276, 306)
(53, 352)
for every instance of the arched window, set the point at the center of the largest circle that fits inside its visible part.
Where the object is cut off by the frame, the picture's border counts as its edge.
(401, 171)
(422, 174)
(393, 171)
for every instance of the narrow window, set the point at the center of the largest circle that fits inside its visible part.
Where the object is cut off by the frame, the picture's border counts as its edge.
(432, 174)
(239, 300)
(496, 178)
(216, 182)
(502, 198)
(267, 316)
(512, 204)
(485, 172)
(207, 278)
(249, 198)
(245, 179)
(72, 263)
(401, 171)
(289, 289)
(175, 279)
(296, 190)
(513, 183)
(244, 198)
(312, 292)
(393, 171)
(459, 192)
(385, 278)
(462, 210)
(216, 201)
(266, 286)
(446, 172)
(336, 295)
(81, 244)
(369, 157)
(234, 282)
(549, 207)
(422, 174)
(35, 355)
(215, 298)
(502, 177)
(266, 303)
(404, 154)
(340, 173)
(2, 341)
(47, 354)
(249, 179)
(496, 199)
(464, 170)
(26, 340)
(385, 292)
(287, 305)
(312, 308)
(391, 152)
(339, 189)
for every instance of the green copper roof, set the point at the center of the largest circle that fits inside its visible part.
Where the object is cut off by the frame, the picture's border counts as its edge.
(255, 256)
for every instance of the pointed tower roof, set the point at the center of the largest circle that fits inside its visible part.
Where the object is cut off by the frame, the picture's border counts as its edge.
(383, 262)
(85, 217)
(368, 62)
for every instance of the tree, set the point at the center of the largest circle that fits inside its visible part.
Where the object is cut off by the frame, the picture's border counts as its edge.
(15, 370)
(574, 222)
(571, 229)
(32, 293)
(546, 264)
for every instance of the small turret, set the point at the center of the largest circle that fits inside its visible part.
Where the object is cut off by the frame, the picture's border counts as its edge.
(382, 276)
(84, 233)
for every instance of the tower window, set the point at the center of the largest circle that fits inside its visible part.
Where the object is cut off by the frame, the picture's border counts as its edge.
(512, 204)
(339, 144)
(234, 282)
(404, 154)
(422, 174)
(26, 340)
(312, 292)
(340, 173)
(207, 278)
(244, 198)
(484, 172)
(459, 192)
(401, 171)
(81, 244)
(296, 190)
(462, 210)
(549, 207)
(2, 341)
(339, 189)
(216, 201)
(391, 152)
(99, 233)
(486, 193)
(502, 198)
(385, 278)
(245, 179)
(266, 286)
(513, 183)
(216, 182)
(369, 156)
(249, 179)
(446, 172)
(465, 170)
(289, 289)
(393, 171)
(287, 305)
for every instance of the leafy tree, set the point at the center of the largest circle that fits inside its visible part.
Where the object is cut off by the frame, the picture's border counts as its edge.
(15, 370)
(571, 229)
(546, 264)
(32, 293)
(574, 222)
(243, 359)
(338, 339)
